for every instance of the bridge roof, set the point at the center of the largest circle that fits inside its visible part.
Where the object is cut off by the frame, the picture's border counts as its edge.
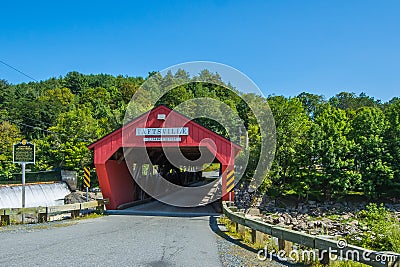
(196, 135)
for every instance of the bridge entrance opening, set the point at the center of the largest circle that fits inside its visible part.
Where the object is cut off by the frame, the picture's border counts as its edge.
(161, 162)
(156, 158)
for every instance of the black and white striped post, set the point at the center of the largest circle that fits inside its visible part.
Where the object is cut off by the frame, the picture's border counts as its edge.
(86, 181)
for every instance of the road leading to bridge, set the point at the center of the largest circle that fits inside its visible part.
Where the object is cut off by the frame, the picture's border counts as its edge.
(157, 208)
(113, 241)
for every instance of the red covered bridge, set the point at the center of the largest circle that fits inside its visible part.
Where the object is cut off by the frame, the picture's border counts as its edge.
(159, 153)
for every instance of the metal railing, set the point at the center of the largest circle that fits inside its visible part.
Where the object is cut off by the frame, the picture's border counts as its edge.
(325, 246)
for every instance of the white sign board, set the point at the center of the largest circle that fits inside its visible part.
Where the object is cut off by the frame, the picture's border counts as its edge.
(162, 131)
(163, 139)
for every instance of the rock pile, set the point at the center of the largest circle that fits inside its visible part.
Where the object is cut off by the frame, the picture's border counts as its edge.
(243, 197)
(326, 218)
(80, 197)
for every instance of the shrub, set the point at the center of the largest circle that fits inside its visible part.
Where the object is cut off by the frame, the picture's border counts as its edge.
(382, 229)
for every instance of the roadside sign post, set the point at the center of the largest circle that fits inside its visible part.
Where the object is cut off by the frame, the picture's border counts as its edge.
(86, 181)
(23, 184)
(23, 153)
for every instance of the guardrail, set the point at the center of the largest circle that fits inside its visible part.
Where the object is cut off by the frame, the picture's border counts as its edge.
(325, 246)
(43, 213)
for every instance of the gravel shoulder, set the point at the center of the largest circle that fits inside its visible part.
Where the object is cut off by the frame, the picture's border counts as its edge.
(232, 252)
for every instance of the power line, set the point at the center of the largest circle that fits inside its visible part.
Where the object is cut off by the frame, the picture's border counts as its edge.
(49, 124)
(36, 120)
(30, 126)
(17, 70)
(30, 77)
(44, 130)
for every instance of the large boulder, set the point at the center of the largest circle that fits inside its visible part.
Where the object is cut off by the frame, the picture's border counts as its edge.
(74, 197)
(80, 196)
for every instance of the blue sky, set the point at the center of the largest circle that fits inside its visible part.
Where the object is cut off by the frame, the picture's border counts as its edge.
(285, 47)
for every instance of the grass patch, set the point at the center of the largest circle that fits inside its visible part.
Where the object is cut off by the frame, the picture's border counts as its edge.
(52, 225)
(383, 229)
(211, 167)
(348, 264)
(245, 237)
(93, 215)
(384, 236)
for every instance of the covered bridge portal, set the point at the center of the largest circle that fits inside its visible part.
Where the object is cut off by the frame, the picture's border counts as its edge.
(160, 153)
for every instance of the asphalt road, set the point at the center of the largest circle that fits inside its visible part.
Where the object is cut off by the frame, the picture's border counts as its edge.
(118, 240)
(161, 209)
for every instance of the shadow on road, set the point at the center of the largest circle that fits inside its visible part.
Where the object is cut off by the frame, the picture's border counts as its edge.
(214, 227)
(157, 208)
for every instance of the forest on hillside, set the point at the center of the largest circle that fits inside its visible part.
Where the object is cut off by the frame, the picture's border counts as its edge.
(325, 148)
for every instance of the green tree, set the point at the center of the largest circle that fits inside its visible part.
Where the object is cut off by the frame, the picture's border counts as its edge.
(4, 92)
(392, 136)
(74, 131)
(76, 82)
(345, 100)
(312, 173)
(175, 96)
(52, 103)
(311, 102)
(254, 146)
(9, 134)
(335, 161)
(127, 88)
(371, 151)
(292, 125)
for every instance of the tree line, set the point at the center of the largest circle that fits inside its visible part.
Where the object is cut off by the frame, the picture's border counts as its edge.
(324, 147)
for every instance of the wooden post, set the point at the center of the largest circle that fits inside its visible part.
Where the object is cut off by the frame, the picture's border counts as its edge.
(285, 245)
(324, 257)
(257, 237)
(281, 244)
(4, 219)
(100, 207)
(395, 262)
(43, 217)
(240, 229)
(74, 213)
